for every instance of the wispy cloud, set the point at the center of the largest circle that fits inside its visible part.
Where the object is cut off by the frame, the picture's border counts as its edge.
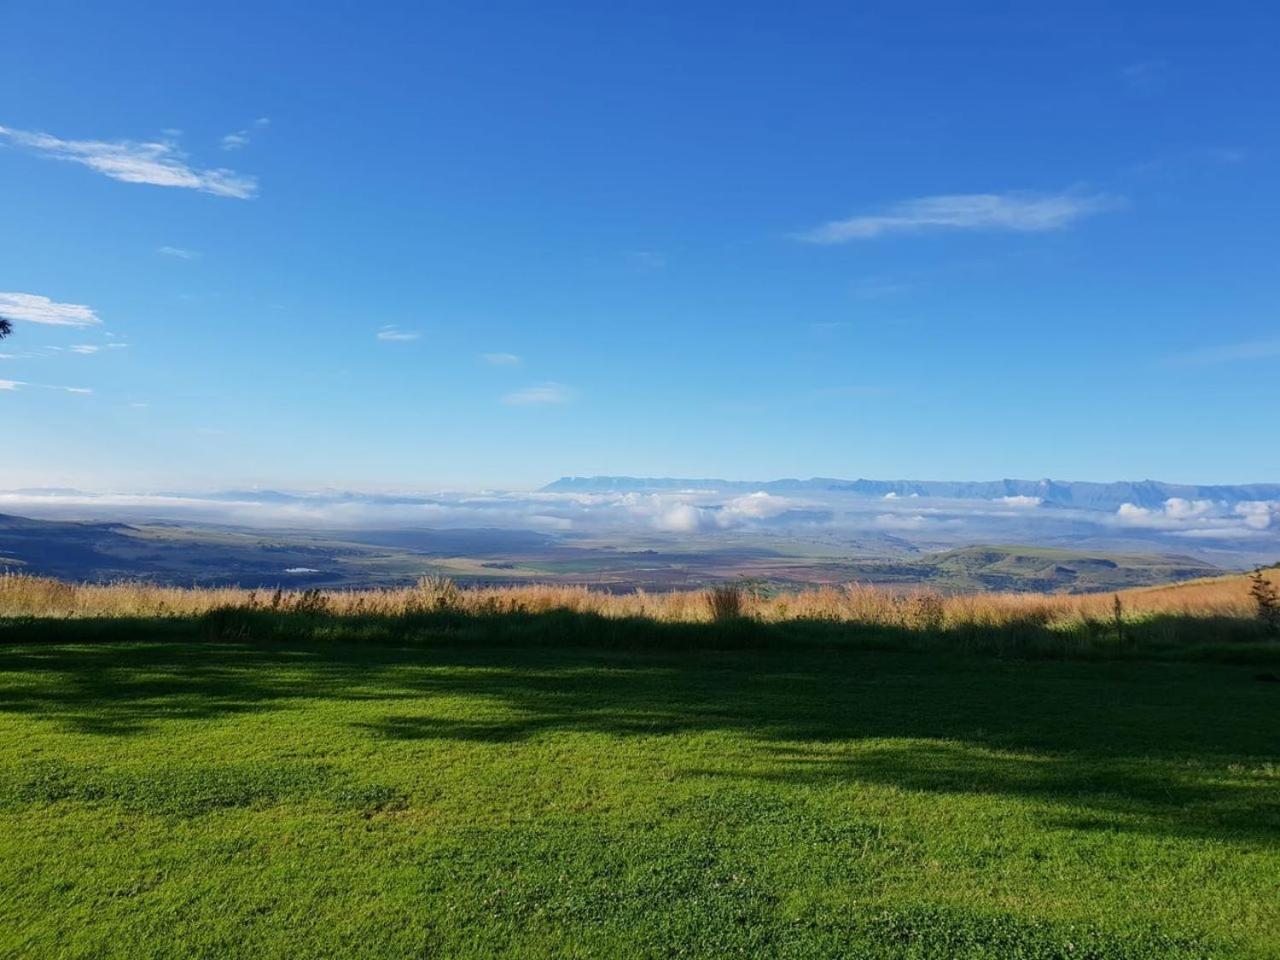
(84, 348)
(501, 359)
(1226, 353)
(241, 138)
(33, 308)
(157, 162)
(181, 253)
(19, 384)
(1015, 212)
(540, 395)
(393, 334)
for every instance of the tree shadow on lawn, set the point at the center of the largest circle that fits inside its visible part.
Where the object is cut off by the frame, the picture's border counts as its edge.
(1189, 747)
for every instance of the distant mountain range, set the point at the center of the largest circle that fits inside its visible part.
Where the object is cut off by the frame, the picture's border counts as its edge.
(1084, 495)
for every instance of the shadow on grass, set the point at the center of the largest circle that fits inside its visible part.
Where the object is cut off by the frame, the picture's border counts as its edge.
(1184, 746)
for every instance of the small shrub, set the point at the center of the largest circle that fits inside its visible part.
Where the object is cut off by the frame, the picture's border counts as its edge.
(928, 613)
(440, 594)
(1266, 599)
(310, 601)
(725, 602)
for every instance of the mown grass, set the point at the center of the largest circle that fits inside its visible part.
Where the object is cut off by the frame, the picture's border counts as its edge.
(447, 784)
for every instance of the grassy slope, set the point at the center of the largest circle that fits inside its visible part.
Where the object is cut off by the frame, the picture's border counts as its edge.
(165, 793)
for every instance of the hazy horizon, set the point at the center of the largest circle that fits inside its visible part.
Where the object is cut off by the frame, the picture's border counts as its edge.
(1230, 526)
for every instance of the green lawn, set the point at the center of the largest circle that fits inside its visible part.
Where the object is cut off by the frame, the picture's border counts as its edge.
(168, 793)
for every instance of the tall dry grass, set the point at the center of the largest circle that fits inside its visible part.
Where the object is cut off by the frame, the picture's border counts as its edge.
(27, 596)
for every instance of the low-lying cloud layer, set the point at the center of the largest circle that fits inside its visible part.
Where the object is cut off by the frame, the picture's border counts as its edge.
(1248, 530)
(1209, 519)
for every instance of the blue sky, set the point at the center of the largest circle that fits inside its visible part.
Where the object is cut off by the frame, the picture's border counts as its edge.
(464, 245)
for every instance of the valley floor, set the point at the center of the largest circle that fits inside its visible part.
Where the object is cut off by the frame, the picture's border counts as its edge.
(165, 792)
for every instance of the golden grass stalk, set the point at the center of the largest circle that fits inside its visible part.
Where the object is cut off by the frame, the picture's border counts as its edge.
(28, 596)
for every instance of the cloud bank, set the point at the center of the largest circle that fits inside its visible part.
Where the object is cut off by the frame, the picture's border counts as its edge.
(1203, 518)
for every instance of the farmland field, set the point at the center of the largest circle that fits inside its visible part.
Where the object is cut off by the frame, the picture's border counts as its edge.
(562, 785)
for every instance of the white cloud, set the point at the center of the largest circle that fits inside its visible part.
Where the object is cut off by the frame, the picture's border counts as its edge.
(1258, 514)
(84, 348)
(392, 334)
(501, 359)
(157, 162)
(240, 138)
(757, 506)
(1203, 518)
(893, 521)
(1132, 513)
(1017, 212)
(543, 394)
(1180, 509)
(32, 308)
(181, 253)
(680, 518)
(18, 384)
(1022, 501)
